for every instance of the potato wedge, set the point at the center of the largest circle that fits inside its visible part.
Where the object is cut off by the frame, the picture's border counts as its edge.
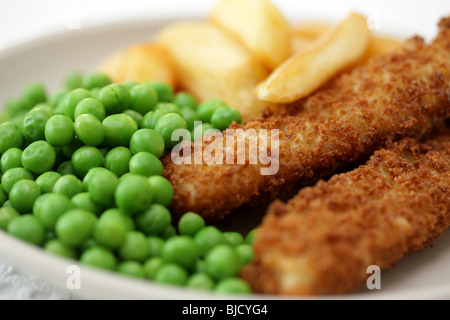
(211, 64)
(310, 30)
(300, 44)
(302, 36)
(258, 25)
(303, 73)
(140, 62)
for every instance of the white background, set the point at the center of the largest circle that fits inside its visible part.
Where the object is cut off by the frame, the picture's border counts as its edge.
(23, 20)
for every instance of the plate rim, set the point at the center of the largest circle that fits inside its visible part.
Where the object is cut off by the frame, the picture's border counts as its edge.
(428, 292)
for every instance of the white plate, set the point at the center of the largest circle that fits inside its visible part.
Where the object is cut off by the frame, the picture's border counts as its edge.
(423, 275)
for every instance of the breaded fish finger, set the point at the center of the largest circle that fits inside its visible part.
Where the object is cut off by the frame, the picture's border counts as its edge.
(324, 239)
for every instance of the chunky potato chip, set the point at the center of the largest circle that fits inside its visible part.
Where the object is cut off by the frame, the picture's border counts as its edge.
(211, 64)
(140, 62)
(305, 72)
(258, 25)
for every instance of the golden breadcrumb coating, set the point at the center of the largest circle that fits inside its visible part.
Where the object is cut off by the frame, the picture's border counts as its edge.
(324, 239)
(394, 96)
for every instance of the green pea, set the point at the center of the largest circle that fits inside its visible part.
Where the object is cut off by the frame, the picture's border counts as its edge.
(163, 192)
(90, 106)
(10, 137)
(200, 281)
(232, 285)
(7, 204)
(147, 140)
(190, 223)
(130, 84)
(68, 185)
(86, 158)
(17, 119)
(33, 125)
(208, 238)
(38, 157)
(222, 262)
(3, 196)
(143, 98)
(132, 269)
(181, 250)
(115, 97)
(133, 194)
(49, 207)
(111, 231)
(200, 267)
(95, 80)
(119, 128)
(169, 107)
(151, 118)
(7, 214)
(190, 116)
(206, 109)
(163, 91)
(59, 131)
(35, 93)
(88, 177)
(250, 237)
(151, 267)
(83, 200)
(12, 158)
(224, 116)
(146, 164)
(56, 99)
(95, 92)
(56, 247)
(28, 228)
(246, 253)
(115, 213)
(172, 274)
(10, 177)
(156, 246)
(233, 238)
(89, 130)
(46, 106)
(102, 186)
(65, 168)
(136, 116)
(154, 220)
(73, 80)
(4, 116)
(47, 180)
(72, 99)
(167, 125)
(117, 160)
(135, 247)
(75, 226)
(15, 106)
(23, 194)
(99, 257)
(185, 100)
(168, 233)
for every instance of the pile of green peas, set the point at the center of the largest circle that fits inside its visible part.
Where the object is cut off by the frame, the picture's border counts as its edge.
(81, 177)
